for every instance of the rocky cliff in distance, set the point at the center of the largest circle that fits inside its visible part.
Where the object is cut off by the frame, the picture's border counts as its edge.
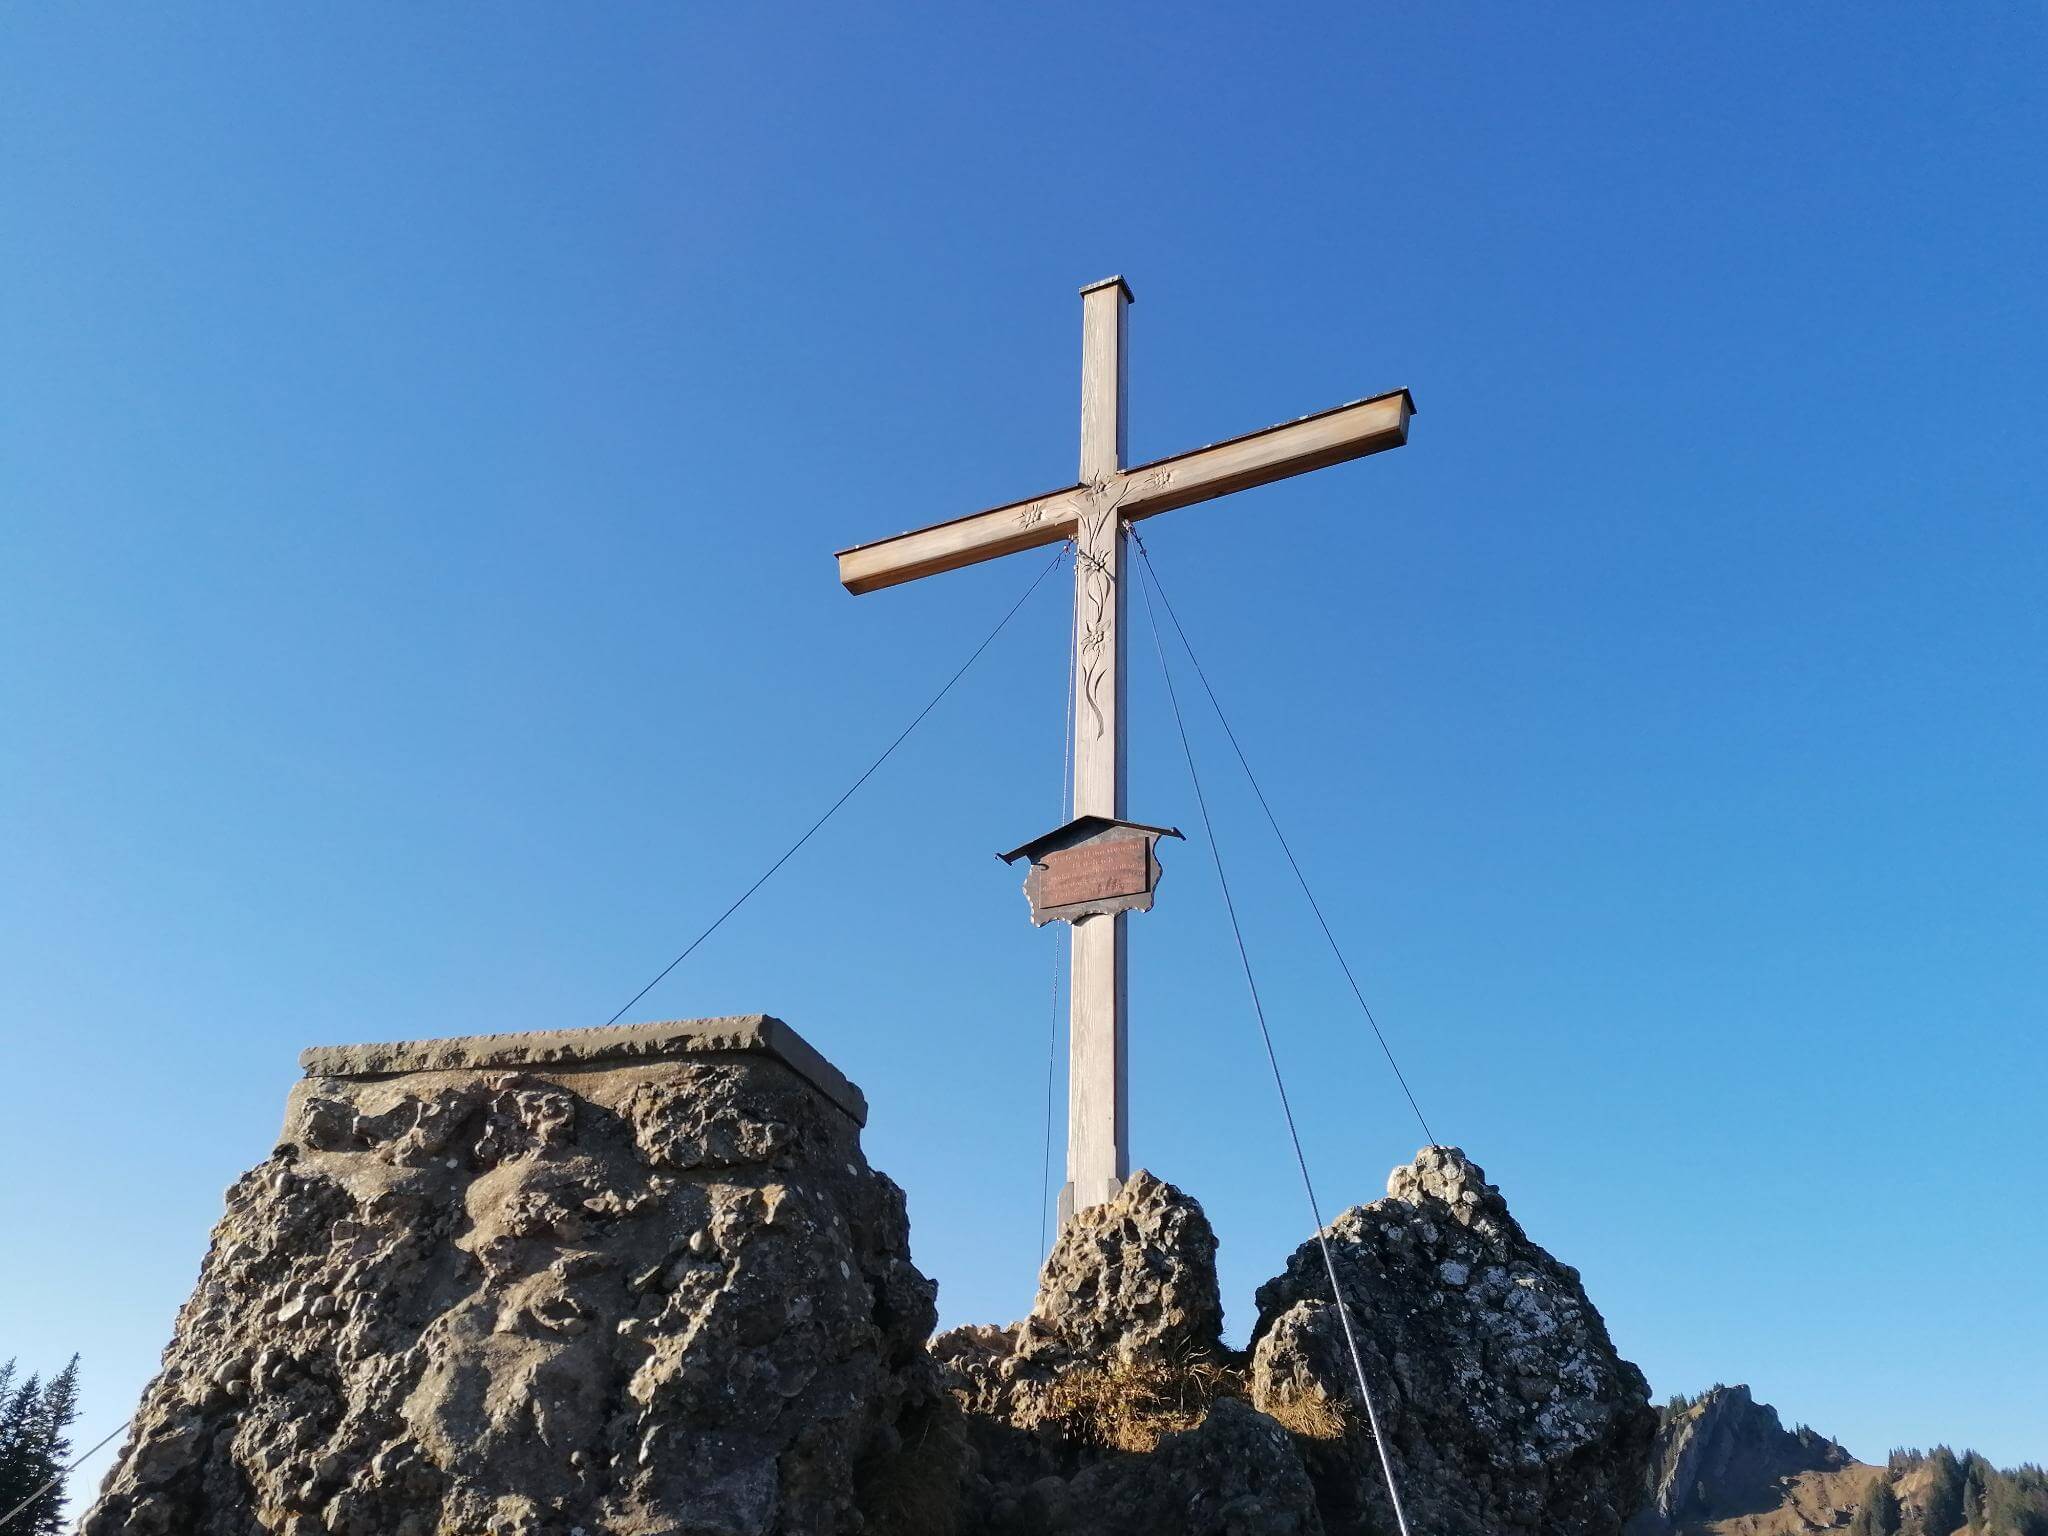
(1725, 1466)
(1725, 1454)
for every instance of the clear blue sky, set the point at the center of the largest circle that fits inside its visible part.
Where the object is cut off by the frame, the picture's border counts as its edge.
(424, 433)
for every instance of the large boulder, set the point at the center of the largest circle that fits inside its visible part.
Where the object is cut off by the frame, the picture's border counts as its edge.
(1127, 1297)
(1113, 1409)
(615, 1281)
(1134, 1276)
(1503, 1404)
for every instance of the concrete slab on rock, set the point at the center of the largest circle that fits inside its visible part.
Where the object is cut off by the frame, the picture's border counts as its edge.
(741, 1034)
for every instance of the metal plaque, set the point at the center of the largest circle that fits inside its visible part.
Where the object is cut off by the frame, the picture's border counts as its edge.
(1092, 866)
(1096, 871)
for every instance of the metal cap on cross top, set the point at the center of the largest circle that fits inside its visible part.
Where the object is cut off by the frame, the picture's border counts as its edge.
(1114, 280)
(1088, 873)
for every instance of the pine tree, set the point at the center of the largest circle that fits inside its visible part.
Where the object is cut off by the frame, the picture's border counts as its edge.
(2016, 1503)
(6, 1439)
(1878, 1514)
(35, 1446)
(1942, 1511)
(55, 1410)
(1977, 1479)
(1885, 1506)
(17, 1439)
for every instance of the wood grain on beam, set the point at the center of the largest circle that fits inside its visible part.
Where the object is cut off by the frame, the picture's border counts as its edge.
(964, 541)
(1258, 458)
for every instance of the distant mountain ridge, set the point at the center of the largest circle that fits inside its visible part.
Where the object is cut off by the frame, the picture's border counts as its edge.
(1723, 1452)
(1725, 1465)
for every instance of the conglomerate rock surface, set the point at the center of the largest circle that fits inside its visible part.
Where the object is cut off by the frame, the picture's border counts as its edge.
(1128, 1282)
(1110, 1410)
(1116, 1407)
(1504, 1405)
(1133, 1277)
(569, 1286)
(642, 1299)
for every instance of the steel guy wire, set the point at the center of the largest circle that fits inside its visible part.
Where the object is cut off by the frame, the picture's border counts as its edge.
(1279, 1082)
(8, 1518)
(1152, 571)
(1052, 1045)
(867, 774)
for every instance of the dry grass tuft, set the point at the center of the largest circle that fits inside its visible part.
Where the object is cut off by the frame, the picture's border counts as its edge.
(1130, 1405)
(1309, 1416)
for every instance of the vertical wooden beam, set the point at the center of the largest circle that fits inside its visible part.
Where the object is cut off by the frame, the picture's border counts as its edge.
(1098, 1104)
(1103, 306)
(1099, 588)
(1098, 1077)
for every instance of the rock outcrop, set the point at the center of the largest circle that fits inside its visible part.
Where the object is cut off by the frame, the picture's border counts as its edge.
(642, 1282)
(1134, 1278)
(1504, 1404)
(1112, 1410)
(633, 1281)
(1502, 1401)
(1725, 1454)
(1129, 1284)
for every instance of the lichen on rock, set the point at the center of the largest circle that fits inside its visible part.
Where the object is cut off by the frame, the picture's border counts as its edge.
(1503, 1402)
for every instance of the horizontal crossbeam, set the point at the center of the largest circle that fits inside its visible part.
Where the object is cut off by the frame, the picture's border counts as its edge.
(1292, 448)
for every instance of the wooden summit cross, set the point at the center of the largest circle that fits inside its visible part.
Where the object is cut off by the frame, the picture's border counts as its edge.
(1094, 513)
